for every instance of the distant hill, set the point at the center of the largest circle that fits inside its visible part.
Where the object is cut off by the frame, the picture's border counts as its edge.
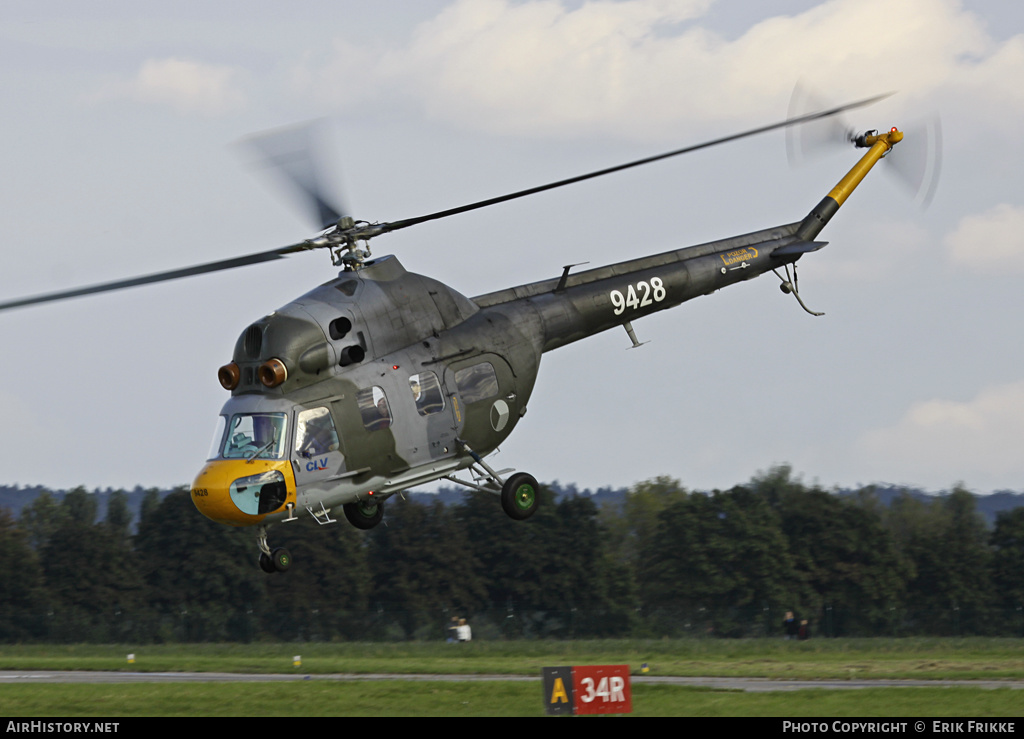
(988, 505)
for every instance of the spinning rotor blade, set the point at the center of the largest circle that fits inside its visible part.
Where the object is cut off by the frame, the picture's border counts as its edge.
(292, 153)
(915, 161)
(792, 121)
(158, 277)
(816, 138)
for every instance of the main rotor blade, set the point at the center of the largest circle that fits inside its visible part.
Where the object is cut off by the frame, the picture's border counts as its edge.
(299, 169)
(174, 274)
(818, 137)
(294, 154)
(396, 225)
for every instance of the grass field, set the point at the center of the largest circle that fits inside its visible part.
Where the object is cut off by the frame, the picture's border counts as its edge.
(962, 659)
(987, 659)
(404, 698)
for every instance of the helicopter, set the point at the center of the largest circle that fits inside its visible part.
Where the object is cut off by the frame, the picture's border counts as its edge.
(381, 380)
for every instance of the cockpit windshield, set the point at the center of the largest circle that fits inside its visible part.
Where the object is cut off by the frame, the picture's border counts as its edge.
(256, 435)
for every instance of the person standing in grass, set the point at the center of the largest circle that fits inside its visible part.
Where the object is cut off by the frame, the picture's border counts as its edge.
(790, 626)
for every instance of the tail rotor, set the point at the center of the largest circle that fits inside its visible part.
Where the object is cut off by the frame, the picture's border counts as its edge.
(916, 162)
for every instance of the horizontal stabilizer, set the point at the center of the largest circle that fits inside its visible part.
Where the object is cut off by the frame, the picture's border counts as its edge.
(798, 247)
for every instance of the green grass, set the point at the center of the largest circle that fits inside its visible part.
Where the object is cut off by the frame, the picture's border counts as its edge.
(962, 659)
(987, 659)
(403, 698)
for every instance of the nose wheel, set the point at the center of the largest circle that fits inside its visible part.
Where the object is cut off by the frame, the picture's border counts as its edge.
(276, 560)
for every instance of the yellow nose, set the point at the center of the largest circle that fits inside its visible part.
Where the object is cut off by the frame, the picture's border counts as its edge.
(240, 493)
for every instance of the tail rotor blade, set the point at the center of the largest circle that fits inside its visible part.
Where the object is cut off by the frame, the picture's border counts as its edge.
(917, 160)
(817, 138)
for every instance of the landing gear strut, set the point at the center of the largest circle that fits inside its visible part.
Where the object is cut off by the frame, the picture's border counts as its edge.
(518, 493)
(276, 560)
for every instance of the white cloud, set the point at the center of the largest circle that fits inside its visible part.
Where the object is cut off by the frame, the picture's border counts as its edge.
(542, 67)
(991, 242)
(977, 441)
(993, 82)
(187, 86)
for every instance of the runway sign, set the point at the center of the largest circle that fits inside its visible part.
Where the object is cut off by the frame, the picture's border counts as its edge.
(587, 689)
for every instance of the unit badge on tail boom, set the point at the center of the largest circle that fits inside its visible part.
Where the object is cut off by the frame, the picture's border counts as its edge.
(380, 380)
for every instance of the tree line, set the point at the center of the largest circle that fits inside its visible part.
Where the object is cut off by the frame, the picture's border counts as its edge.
(663, 561)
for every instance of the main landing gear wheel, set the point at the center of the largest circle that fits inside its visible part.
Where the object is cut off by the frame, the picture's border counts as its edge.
(277, 561)
(519, 496)
(266, 564)
(364, 514)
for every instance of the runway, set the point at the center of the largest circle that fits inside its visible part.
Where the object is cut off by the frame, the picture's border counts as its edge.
(746, 684)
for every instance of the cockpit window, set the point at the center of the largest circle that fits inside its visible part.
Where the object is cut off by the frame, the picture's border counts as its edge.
(315, 433)
(426, 391)
(218, 438)
(256, 435)
(373, 406)
(477, 382)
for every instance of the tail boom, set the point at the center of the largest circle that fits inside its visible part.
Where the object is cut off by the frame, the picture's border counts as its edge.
(878, 145)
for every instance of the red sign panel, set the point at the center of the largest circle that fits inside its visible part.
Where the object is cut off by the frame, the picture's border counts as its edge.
(602, 689)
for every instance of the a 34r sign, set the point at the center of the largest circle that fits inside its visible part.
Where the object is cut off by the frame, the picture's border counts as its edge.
(587, 689)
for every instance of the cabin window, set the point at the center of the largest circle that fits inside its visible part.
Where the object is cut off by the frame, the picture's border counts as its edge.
(426, 391)
(374, 408)
(477, 382)
(252, 435)
(315, 433)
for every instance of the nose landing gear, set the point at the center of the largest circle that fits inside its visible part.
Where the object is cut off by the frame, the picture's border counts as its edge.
(276, 560)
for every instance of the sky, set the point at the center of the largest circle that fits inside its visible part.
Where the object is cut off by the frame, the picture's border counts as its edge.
(120, 127)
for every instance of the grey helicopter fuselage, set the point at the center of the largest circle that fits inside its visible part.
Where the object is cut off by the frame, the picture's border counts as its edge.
(381, 380)
(415, 381)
